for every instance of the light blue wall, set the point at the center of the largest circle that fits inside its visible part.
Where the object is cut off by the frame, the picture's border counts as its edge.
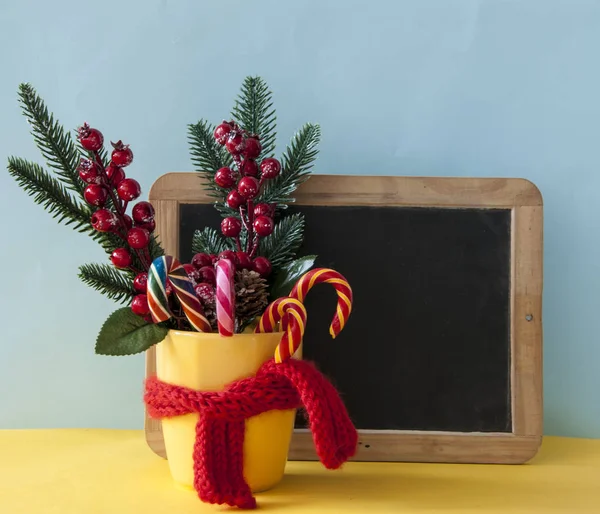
(462, 87)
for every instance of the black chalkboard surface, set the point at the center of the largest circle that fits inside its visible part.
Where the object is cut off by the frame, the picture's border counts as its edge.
(427, 346)
(441, 357)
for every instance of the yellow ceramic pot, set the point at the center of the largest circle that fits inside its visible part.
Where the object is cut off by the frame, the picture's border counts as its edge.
(208, 362)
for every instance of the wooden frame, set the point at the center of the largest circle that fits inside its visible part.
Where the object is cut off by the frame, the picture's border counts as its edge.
(525, 202)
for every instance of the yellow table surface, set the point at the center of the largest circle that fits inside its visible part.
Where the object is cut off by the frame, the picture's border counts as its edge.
(113, 471)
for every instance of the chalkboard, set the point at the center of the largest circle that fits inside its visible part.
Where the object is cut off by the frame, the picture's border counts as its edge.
(431, 317)
(441, 357)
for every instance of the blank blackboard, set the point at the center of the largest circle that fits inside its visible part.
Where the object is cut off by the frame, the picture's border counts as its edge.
(428, 342)
(441, 357)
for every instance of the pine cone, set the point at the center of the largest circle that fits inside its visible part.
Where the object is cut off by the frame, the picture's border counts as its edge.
(251, 295)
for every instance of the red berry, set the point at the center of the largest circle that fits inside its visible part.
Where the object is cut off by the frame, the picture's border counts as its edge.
(142, 212)
(122, 154)
(129, 189)
(248, 187)
(121, 258)
(103, 220)
(253, 148)
(214, 259)
(263, 226)
(229, 254)
(235, 200)
(138, 238)
(235, 143)
(207, 274)
(128, 221)
(231, 227)
(270, 168)
(150, 226)
(115, 174)
(206, 293)
(140, 282)
(95, 194)
(201, 259)
(90, 138)
(189, 269)
(88, 171)
(225, 177)
(262, 209)
(243, 260)
(222, 132)
(262, 266)
(249, 168)
(139, 305)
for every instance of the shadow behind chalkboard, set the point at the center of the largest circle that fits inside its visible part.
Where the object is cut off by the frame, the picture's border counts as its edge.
(427, 346)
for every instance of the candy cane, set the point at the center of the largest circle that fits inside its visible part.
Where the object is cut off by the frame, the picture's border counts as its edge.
(225, 297)
(167, 267)
(342, 287)
(294, 313)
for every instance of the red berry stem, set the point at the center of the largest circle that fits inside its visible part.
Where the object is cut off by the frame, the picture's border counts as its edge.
(250, 229)
(120, 208)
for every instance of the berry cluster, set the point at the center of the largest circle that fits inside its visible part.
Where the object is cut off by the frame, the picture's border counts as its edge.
(244, 182)
(110, 182)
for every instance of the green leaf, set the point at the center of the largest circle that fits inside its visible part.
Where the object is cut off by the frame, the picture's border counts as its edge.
(296, 165)
(208, 240)
(289, 274)
(254, 111)
(108, 280)
(125, 333)
(51, 138)
(281, 246)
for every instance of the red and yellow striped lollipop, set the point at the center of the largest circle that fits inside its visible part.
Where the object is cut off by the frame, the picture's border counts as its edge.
(342, 287)
(294, 313)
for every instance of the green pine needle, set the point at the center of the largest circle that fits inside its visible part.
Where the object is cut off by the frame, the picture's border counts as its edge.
(209, 241)
(50, 193)
(208, 156)
(254, 111)
(281, 246)
(296, 165)
(51, 138)
(108, 280)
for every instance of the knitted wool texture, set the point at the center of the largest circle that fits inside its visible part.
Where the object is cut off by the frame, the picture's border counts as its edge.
(218, 449)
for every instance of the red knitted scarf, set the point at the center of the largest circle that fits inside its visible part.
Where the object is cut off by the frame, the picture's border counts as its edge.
(218, 449)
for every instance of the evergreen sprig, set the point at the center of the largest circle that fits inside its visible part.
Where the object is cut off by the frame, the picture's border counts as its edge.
(281, 246)
(296, 166)
(254, 111)
(207, 156)
(50, 193)
(54, 142)
(209, 241)
(107, 280)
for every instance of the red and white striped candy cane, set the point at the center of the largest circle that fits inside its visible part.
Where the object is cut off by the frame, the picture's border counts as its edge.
(225, 297)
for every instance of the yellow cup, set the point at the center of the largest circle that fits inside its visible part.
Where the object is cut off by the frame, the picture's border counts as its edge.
(208, 362)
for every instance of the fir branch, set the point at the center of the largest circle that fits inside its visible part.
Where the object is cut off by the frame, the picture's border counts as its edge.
(296, 165)
(50, 193)
(281, 246)
(207, 156)
(57, 201)
(51, 138)
(209, 241)
(254, 111)
(108, 280)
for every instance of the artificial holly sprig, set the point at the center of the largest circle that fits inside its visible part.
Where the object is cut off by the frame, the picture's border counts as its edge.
(111, 182)
(244, 182)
